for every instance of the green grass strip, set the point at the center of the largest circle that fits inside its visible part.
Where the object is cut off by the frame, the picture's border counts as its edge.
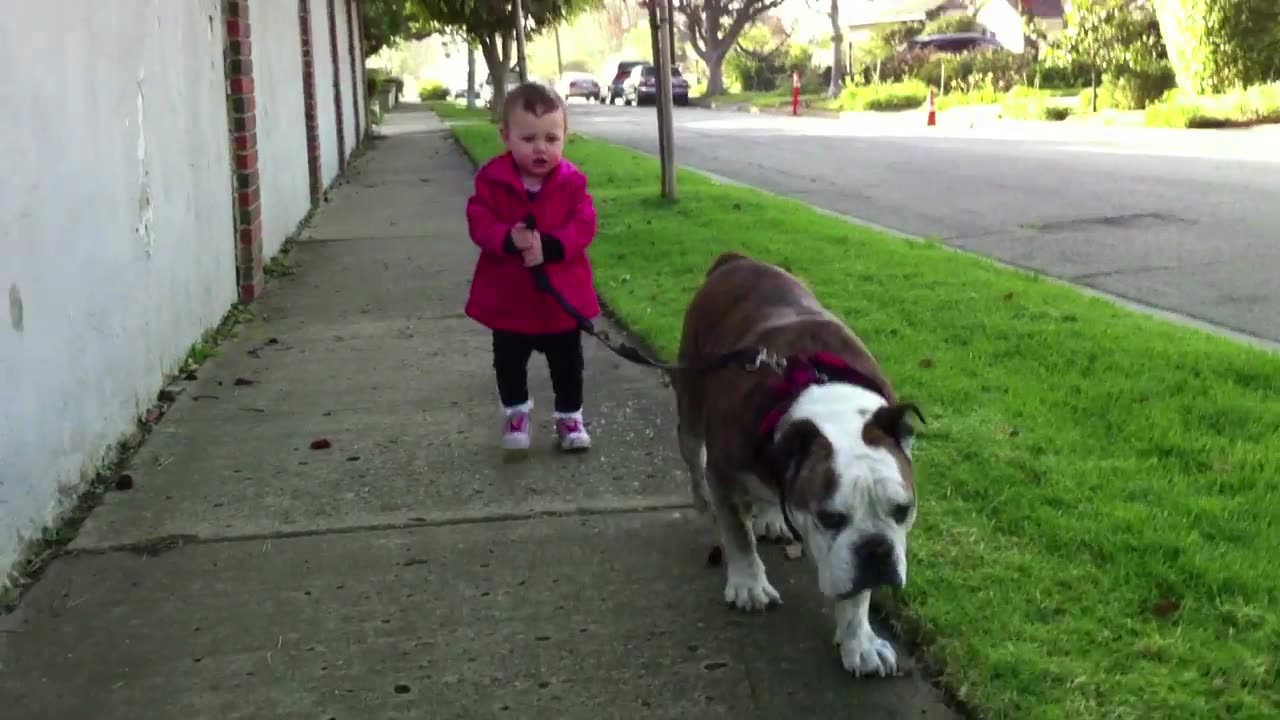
(1098, 487)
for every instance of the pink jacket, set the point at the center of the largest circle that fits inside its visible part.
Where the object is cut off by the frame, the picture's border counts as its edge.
(503, 296)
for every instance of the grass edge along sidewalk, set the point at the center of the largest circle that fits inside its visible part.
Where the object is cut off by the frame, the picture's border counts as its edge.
(1096, 484)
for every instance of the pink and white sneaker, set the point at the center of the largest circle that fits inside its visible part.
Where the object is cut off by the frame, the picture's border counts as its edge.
(572, 432)
(515, 427)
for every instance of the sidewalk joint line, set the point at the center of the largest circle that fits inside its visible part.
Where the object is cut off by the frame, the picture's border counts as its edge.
(161, 544)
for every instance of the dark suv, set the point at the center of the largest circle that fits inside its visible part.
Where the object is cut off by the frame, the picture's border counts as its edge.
(641, 86)
(614, 84)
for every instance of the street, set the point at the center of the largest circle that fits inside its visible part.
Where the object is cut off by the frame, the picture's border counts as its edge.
(1185, 222)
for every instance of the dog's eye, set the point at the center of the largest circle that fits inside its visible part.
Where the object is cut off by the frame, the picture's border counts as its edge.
(901, 512)
(833, 521)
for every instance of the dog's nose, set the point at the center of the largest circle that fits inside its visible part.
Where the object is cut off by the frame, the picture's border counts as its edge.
(876, 563)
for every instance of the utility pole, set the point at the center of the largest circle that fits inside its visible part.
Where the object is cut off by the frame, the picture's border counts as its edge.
(652, 7)
(520, 54)
(665, 119)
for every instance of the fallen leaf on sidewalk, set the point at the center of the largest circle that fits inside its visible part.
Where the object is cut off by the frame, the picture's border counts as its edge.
(321, 444)
(794, 551)
(242, 382)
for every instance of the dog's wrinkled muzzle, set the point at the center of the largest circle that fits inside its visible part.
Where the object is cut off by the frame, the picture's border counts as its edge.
(876, 565)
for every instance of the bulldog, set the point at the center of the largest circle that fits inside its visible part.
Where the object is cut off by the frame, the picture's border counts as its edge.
(810, 442)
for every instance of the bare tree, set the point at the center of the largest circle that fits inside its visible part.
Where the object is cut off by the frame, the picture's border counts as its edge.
(616, 18)
(838, 69)
(714, 27)
(837, 51)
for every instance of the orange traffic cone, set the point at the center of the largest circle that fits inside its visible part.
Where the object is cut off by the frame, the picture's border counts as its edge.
(933, 113)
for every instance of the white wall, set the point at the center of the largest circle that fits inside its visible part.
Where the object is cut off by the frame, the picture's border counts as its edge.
(282, 137)
(1005, 23)
(326, 125)
(344, 75)
(115, 230)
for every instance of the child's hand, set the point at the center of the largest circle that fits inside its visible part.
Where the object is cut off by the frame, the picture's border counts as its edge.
(533, 254)
(523, 238)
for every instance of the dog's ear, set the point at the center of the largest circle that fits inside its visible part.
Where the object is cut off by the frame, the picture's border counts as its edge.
(890, 422)
(800, 460)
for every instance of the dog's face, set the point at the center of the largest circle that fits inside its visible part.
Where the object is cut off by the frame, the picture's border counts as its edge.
(845, 459)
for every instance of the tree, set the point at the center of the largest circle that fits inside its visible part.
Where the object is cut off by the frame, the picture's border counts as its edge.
(714, 27)
(386, 23)
(1214, 45)
(837, 51)
(1109, 37)
(491, 25)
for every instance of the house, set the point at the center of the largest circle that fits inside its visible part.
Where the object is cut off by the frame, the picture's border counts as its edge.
(1004, 18)
(1001, 18)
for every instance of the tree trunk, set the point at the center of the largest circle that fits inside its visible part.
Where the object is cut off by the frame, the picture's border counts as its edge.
(497, 56)
(837, 52)
(715, 73)
(471, 74)
(1093, 91)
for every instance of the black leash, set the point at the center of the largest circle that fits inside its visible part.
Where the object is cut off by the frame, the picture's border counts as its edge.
(750, 359)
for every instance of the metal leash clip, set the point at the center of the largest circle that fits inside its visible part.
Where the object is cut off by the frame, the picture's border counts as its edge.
(766, 358)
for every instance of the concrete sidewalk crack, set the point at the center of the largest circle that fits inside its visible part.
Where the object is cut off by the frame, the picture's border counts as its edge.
(161, 544)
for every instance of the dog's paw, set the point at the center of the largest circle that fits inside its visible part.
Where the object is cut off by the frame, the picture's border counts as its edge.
(750, 592)
(867, 654)
(767, 523)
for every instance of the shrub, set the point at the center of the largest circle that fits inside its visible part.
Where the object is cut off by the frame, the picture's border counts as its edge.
(1216, 45)
(759, 64)
(897, 96)
(1032, 106)
(976, 69)
(1137, 89)
(948, 24)
(432, 92)
(1182, 109)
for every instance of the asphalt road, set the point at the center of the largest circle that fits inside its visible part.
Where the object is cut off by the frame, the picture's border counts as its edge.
(1183, 222)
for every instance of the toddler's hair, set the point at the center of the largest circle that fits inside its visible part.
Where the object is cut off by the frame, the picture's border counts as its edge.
(534, 98)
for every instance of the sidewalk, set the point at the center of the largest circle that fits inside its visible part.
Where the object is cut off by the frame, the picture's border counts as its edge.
(408, 571)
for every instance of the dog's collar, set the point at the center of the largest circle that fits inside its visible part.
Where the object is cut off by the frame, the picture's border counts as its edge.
(799, 373)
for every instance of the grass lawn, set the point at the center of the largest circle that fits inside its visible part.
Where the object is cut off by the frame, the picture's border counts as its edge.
(1098, 488)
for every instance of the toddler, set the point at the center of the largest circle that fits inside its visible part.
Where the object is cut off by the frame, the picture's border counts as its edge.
(531, 208)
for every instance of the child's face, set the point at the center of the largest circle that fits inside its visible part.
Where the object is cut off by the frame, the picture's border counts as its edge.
(536, 141)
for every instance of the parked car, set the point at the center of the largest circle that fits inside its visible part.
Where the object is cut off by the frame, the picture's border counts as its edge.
(954, 42)
(578, 84)
(613, 82)
(641, 86)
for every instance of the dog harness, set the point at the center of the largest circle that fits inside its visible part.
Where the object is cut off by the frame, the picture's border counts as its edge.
(799, 373)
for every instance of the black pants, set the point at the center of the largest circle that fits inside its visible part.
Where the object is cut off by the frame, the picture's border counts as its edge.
(511, 353)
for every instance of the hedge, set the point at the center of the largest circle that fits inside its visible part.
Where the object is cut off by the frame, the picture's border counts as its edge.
(1216, 45)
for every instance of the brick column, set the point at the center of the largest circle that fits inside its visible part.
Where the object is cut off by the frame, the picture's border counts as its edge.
(242, 113)
(337, 88)
(352, 23)
(309, 103)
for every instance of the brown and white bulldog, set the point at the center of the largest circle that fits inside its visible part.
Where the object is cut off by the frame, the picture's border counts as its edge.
(826, 433)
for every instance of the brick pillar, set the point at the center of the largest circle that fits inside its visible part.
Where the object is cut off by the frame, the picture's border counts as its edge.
(242, 113)
(352, 24)
(337, 88)
(309, 103)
